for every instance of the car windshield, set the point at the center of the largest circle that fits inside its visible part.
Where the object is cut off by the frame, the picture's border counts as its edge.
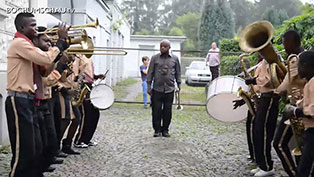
(198, 66)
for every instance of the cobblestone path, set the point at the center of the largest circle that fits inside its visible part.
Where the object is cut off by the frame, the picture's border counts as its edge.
(198, 146)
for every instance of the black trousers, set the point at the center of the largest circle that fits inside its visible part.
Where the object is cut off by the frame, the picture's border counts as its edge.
(249, 135)
(307, 159)
(264, 129)
(215, 71)
(72, 124)
(162, 110)
(281, 142)
(48, 133)
(56, 114)
(90, 118)
(24, 136)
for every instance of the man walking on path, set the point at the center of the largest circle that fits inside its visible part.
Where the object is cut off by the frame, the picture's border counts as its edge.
(164, 70)
(212, 59)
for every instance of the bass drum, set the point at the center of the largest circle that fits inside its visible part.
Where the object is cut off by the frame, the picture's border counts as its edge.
(102, 96)
(221, 92)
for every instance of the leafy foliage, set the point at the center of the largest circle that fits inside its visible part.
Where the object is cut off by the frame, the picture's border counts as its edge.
(175, 31)
(304, 24)
(229, 45)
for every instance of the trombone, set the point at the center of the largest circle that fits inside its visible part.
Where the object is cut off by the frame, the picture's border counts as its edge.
(95, 51)
(87, 48)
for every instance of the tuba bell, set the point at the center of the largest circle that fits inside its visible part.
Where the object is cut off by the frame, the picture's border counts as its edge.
(257, 37)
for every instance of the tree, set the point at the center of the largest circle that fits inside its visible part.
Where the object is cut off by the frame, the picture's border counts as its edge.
(189, 23)
(291, 6)
(175, 31)
(178, 8)
(307, 8)
(207, 34)
(275, 16)
(225, 20)
(244, 13)
(216, 23)
(143, 14)
(152, 15)
(133, 11)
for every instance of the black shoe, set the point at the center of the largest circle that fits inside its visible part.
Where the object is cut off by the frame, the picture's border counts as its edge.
(157, 134)
(61, 154)
(57, 161)
(165, 134)
(50, 169)
(70, 151)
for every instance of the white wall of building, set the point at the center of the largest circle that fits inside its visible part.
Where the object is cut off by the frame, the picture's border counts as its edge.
(134, 57)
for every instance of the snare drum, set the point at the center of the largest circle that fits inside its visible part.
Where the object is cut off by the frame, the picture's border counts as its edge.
(221, 92)
(102, 96)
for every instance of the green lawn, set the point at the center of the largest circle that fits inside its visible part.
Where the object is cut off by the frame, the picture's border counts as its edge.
(120, 89)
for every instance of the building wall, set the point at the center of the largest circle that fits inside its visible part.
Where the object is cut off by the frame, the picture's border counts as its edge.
(134, 58)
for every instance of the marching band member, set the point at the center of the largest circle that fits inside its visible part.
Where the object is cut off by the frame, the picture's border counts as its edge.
(264, 124)
(306, 112)
(44, 78)
(19, 105)
(90, 114)
(292, 44)
(249, 125)
(70, 114)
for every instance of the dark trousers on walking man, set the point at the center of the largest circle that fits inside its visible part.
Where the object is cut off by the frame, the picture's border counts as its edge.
(264, 129)
(215, 71)
(162, 111)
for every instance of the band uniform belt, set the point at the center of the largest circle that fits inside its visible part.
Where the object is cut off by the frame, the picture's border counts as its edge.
(21, 95)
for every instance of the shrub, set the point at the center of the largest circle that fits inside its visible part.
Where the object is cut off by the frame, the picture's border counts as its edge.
(229, 45)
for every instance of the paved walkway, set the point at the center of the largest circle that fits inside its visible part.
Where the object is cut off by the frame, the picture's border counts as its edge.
(198, 146)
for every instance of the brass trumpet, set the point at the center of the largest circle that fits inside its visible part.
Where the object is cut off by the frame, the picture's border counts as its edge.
(94, 24)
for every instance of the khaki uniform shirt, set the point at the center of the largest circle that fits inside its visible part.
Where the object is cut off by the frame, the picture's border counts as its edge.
(49, 81)
(86, 68)
(21, 56)
(308, 104)
(296, 84)
(263, 79)
(68, 82)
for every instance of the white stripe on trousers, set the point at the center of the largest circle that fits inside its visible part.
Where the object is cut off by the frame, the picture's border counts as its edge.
(17, 140)
(265, 132)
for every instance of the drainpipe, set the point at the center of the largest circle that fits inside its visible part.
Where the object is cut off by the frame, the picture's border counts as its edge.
(72, 17)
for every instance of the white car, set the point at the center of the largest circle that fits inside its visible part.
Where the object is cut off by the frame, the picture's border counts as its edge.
(197, 73)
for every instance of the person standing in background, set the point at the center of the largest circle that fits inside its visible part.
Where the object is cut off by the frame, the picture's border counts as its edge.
(144, 69)
(212, 60)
